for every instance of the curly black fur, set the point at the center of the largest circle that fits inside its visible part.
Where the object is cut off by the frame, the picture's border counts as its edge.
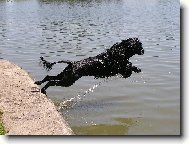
(114, 61)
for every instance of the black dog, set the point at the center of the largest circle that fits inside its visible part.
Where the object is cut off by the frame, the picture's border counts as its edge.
(114, 61)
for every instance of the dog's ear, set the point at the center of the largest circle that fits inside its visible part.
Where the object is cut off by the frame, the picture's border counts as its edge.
(130, 41)
(125, 42)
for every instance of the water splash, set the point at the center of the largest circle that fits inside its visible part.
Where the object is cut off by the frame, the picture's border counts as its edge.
(70, 103)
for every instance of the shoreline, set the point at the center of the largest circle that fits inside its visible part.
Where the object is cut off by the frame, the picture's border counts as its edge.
(26, 111)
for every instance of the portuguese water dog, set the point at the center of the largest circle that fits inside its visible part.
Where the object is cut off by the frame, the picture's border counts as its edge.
(109, 63)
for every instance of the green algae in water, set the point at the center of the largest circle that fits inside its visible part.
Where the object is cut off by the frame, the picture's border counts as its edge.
(102, 129)
(106, 129)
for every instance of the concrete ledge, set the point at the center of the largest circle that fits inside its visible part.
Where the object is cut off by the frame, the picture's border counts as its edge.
(26, 111)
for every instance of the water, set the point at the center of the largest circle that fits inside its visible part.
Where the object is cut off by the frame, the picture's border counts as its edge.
(147, 103)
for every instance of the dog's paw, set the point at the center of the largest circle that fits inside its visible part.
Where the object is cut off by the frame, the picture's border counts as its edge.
(38, 82)
(135, 69)
(43, 91)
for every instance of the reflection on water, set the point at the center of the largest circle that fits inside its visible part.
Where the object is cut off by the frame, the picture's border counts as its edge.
(77, 29)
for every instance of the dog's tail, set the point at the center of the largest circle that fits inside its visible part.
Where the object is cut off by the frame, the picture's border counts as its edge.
(48, 65)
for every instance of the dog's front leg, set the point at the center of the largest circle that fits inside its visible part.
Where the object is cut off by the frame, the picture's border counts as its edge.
(136, 69)
(127, 73)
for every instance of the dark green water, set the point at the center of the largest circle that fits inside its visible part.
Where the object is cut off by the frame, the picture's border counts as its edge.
(147, 103)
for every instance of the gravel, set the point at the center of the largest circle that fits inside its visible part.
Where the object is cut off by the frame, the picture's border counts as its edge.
(26, 111)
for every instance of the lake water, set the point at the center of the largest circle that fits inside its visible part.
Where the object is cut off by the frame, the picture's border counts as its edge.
(147, 103)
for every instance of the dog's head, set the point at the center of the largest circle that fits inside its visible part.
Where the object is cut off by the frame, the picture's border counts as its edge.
(132, 45)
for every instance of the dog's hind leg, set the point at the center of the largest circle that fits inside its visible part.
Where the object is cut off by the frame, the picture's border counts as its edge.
(47, 78)
(52, 83)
